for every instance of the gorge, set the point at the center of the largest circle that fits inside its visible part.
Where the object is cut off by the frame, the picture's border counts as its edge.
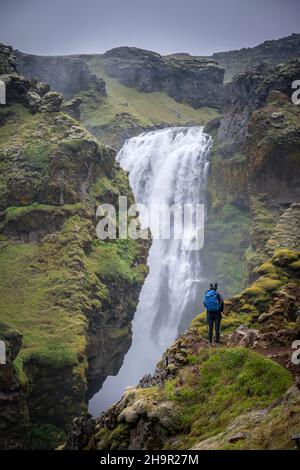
(79, 315)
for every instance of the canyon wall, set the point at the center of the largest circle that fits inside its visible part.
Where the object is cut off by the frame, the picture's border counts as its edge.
(68, 294)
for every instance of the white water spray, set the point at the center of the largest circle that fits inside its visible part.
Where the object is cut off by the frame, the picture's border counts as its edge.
(167, 166)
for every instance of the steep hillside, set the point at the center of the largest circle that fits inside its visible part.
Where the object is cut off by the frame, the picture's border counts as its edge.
(62, 290)
(242, 395)
(127, 90)
(197, 81)
(273, 52)
(126, 111)
(254, 174)
(68, 75)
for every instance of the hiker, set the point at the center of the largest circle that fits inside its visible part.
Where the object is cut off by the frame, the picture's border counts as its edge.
(214, 305)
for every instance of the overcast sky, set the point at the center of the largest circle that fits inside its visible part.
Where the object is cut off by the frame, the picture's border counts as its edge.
(199, 27)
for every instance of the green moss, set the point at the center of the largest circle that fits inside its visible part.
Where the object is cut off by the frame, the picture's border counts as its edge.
(115, 186)
(119, 436)
(248, 308)
(192, 359)
(295, 265)
(268, 284)
(285, 257)
(102, 439)
(38, 154)
(51, 335)
(268, 269)
(229, 383)
(46, 436)
(257, 294)
(26, 122)
(125, 108)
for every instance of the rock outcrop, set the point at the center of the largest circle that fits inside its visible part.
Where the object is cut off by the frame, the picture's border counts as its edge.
(248, 92)
(67, 75)
(72, 108)
(274, 52)
(194, 80)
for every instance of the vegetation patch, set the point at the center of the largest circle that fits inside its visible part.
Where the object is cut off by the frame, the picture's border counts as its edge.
(227, 383)
(126, 109)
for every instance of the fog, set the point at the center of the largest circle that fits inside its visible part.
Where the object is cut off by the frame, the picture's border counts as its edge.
(199, 27)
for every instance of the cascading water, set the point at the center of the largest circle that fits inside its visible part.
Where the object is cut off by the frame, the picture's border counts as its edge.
(166, 166)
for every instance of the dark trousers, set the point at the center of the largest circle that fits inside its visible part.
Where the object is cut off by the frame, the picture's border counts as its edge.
(214, 318)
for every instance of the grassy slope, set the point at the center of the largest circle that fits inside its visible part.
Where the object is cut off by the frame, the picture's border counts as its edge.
(49, 288)
(213, 389)
(29, 272)
(145, 109)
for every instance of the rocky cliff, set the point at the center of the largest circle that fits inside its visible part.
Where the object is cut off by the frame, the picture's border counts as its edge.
(67, 75)
(62, 289)
(273, 52)
(254, 172)
(128, 90)
(194, 80)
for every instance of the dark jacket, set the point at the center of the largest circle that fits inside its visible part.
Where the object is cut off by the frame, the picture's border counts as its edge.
(221, 300)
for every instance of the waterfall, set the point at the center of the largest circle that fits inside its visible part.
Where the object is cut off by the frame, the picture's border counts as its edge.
(167, 166)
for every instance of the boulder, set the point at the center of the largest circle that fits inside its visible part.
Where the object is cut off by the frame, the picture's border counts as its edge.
(72, 107)
(51, 102)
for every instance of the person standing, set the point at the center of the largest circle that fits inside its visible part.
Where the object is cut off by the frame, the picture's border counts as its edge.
(214, 304)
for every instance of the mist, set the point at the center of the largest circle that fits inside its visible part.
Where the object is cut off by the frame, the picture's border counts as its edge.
(94, 26)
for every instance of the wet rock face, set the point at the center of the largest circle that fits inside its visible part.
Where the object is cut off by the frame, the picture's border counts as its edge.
(195, 80)
(254, 171)
(68, 75)
(80, 431)
(248, 92)
(274, 140)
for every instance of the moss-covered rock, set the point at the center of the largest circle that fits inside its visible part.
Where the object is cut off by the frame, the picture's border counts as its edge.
(199, 402)
(71, 296)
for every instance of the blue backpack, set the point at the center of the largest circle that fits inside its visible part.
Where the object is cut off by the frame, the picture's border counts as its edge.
(211, 301)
